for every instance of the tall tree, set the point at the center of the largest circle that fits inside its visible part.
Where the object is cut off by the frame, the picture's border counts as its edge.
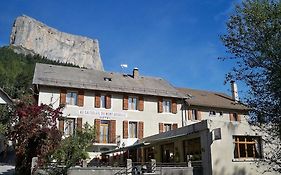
(253, 40)
(34, 131)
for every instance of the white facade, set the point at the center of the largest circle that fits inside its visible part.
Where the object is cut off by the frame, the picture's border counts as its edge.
(149, 116)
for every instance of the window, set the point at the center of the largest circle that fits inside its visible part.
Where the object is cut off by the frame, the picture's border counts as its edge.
(69, 127)
(133, 130)
(212, 113)
(71, 98)
(192, 149)
(194, 114)
(104, 131)
(247, 147)
(221, 114)
(235, 116)
(133, 103)
(102, 101)
(167, 127)
(167, 106)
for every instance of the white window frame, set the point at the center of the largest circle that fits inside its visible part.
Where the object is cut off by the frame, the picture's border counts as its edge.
(194, 114)
(71, 100)
(212, 113)
(167, 105)
(69, 123)
(135, 135)
(102, 101)
(169, 126)
(133, 103)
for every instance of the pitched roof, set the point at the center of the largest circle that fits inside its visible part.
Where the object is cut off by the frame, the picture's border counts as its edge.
(63, 76)
(211, 99)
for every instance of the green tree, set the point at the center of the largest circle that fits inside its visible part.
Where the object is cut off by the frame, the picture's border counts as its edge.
(72, 150)
(253, 40)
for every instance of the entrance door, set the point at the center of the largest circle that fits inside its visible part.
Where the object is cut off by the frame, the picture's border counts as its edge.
(104, 131)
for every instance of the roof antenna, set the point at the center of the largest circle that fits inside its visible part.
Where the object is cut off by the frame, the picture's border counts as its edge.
(123, 66)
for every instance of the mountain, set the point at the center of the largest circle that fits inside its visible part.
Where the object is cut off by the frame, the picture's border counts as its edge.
(30, 36)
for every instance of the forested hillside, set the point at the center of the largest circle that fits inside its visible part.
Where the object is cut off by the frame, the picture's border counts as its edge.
(16, 71)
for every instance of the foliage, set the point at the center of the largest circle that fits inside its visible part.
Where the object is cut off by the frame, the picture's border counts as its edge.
(253, 40)
(16, 71)
(34, 130)
(5, 111)
(72, 150)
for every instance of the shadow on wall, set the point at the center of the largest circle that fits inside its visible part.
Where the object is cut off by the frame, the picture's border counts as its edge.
(222, 170)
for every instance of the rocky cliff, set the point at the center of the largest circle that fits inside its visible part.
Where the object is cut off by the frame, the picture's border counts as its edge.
(34, 37)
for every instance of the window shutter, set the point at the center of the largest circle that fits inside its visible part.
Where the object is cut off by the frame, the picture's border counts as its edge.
(63, 96)
(140, 129)
(80, 98)
(231, 118)
(175, 126)
(97, 130)
(79, 124)
(141, 103)
(198, 115)
(61, 126)
(125, 102)
(112, 131)
(97, 100)
(160, 105)
(125, 129)
(108, 102)
(189, 114)
(161, 127)
(238, 117)
(174, 106)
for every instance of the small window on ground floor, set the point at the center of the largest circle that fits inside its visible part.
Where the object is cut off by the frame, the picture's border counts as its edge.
(247, 147)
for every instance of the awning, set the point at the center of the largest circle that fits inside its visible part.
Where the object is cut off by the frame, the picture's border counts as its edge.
(136, 145)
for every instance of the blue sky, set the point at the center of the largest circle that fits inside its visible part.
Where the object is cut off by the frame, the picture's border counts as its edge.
(174, 39)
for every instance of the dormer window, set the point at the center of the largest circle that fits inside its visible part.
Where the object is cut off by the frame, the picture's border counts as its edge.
(107, 79)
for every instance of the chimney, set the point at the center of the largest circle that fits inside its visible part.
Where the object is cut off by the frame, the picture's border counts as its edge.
(234, 91)
(136, 72)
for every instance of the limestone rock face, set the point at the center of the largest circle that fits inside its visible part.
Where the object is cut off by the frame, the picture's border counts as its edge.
(31, 35)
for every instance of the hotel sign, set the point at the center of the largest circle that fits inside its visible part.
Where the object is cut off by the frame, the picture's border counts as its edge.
(102, 114)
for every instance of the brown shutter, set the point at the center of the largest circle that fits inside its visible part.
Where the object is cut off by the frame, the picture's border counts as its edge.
(238, 118)
(97, 130)
(175, 126)
(97, 100)
(174, 106)
(125, 129)
(80, 98)
(108, 102)
(63, 97)
(140, 129)
(125, 102)
(199, 115)
(189, 114)
(112, 131)
(61, 126)
(141, 103)
(160, 105)
(161, 127)
(79, 124)
(231, 118)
